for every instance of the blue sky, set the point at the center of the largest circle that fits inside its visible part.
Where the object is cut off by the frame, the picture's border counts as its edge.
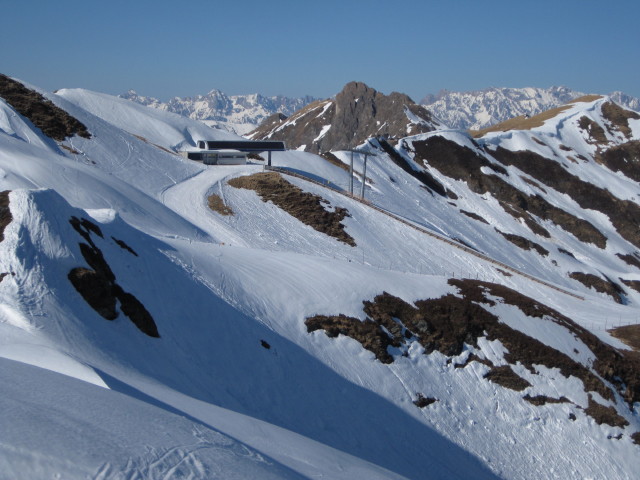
(180, 48)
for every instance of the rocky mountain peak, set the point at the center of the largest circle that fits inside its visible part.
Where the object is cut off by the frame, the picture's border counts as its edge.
(356, 113)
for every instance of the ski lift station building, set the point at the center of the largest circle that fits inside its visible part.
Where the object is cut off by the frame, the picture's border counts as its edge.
(231, 152)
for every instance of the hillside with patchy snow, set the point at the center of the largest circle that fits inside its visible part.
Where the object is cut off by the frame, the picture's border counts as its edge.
(483, 108)
(357, 113)
(161, 318)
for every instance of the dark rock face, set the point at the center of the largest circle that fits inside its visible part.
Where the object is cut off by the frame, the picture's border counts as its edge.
(98, 287)
(357, 113)
(448, 323)
(462, 163)
(5, 212)
(53, 121)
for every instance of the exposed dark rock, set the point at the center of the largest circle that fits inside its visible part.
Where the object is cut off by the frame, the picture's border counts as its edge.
(84, 227)
(98, 286)
(506, 377)
(623, 158)
(636, 438)
(265, 344)
(524, 243)
(473, 358)
(602, 414)
(635, 284)
(52, 120)
(96, 289)
(448, 323)
(137, 313)
(475, 216)
(422, 401)
(602, 285)
(595, 131)
(304, 206)
(624, 214)
(533, 183)
(5, 213)
(422, 175)
(618, 118)
(357, 113)
(540, 400)
(367, 332)
(566, 252)
(124, 246)
(630, 259)
(461, 163)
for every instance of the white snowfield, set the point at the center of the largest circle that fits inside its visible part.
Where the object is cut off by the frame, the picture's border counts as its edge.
(235, 386)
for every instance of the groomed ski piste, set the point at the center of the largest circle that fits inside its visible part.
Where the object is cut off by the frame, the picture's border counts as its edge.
(236, 386)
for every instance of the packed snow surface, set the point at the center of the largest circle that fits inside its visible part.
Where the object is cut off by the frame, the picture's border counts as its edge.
(235, 386)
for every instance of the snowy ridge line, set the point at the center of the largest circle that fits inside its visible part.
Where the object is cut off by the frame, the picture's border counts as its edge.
(453, 243)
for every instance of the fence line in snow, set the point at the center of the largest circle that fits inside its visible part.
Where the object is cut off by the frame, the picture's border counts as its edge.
(425, 231)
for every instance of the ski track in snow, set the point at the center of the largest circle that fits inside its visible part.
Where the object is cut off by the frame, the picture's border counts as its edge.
(209, 399)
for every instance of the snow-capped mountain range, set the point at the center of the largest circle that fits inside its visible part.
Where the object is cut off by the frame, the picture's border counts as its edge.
(482, 108)
(160, 318)
(462, 110)
(236, 113)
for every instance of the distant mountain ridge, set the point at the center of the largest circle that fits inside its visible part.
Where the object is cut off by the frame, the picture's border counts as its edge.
(235, 113)
(482, 108)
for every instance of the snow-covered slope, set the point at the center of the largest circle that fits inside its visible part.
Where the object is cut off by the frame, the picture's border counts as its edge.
(235, 113)
(482, 108)
(196, 342)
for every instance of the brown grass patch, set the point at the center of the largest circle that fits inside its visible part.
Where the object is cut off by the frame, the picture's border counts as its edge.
(447, 323)
(607, 415)
(521, 122)
(532, 183)
(507, 378)
(5, 212)
(524, 243)
(629, 259)
(595, 131)
(462, 163)
(624, 214)
(306, 207)
(527, 123)
(619, 117)
(602, 285)
(367, 332)
(335, 161)
(629, 334)
(634, 284)
(52, 120)
(540, 400)
(217, 205)
(623, 158)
